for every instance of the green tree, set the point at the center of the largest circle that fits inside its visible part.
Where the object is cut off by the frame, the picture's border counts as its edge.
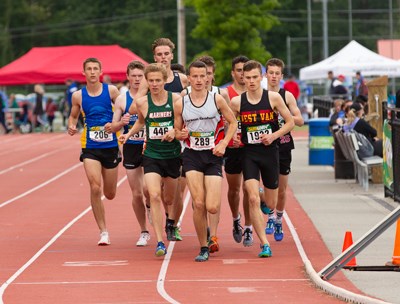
(233, 27)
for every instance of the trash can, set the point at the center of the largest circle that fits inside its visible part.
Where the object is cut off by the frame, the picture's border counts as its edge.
(321, 150)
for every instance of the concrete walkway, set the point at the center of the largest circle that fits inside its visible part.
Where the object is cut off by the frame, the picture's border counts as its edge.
(337, 206)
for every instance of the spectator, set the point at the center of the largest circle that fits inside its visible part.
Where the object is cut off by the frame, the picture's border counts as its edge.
(337, 118)
(331, 79)
(38, 110)
(356, 122)
(72, 86)
(292, 86)
(107, 79)
(361, 87)
(3, 107)
(51, 108)
(339, 90)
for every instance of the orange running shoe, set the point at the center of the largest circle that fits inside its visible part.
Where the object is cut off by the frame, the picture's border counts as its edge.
(213, 244)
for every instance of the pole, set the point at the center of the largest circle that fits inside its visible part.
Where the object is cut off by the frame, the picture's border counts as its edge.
(393, 81)
(181, 33)
(350, 22)
(289, 55)
(309, 16)
(325, 26)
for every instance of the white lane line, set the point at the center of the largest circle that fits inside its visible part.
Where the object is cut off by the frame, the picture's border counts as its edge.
(31, 160)
(43, 249)
(165, 264)
(241, 280)
(40, 186)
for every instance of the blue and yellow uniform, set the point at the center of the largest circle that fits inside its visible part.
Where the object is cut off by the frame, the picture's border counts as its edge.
(96, 143)
(97, 111)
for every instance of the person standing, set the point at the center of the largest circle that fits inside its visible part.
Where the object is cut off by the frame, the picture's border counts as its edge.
(51, 108)
(205, 144)
(132, 149)
(100, 152)
(259, 110)
(161, 158)
(274, 73)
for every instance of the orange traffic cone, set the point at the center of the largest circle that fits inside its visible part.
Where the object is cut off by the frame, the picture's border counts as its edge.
(348, 241)
(396, 251)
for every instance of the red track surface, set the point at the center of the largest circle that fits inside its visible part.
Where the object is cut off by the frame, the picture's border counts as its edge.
(39, 198)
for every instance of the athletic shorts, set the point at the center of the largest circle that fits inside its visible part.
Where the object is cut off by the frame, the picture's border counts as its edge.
(260, 159)
(202, 161)
(132, 155)
(233, 160)
(285, 159)
(108, 157)
(163, 167)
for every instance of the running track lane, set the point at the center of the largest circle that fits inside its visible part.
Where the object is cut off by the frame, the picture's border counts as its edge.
(74, 269)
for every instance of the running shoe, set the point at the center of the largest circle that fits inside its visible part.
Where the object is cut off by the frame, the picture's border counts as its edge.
(213, 244)
(177, 234)
(203, 256)
(161, 250)
(248, 237)
(148, 212)
(170, 230)
(264, 207)
(270, 226)
(237, 230)
(265, 251)
(104, 239)
(278, 233)
(143, 239)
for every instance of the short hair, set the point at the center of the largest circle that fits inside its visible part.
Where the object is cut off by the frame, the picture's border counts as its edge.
(275, 62)
(156, 67)
(91, 59)
(163, 41)
(239, 59)
(135, 64)
(178, 68)
(208, 60)
(251, 65)
(197, 64)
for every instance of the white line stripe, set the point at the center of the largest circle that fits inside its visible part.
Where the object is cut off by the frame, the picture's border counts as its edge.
(171, 281)
(31, 160)
(39, 253)
(339, 292)
(164, 266)
(40, 186)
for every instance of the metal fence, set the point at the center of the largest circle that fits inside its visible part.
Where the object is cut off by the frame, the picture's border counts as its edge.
(394, 122)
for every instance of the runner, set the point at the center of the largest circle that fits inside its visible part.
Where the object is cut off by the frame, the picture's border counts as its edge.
(204, 148)
(274, 73)
(259, 110)
(100, 152)
(161, 159)
(132, 150)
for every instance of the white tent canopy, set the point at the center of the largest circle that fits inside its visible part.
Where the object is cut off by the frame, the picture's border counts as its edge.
(350, 59)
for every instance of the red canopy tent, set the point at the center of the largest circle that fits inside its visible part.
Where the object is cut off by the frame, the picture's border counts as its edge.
(53, 65)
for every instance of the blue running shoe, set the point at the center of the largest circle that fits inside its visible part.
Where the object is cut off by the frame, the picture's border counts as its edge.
(161, 250)
(264, 207)
(278, 233)
(265, 251)
(203, 256)
(270, 226)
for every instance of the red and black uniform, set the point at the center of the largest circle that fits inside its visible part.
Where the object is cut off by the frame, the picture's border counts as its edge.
(258, 119)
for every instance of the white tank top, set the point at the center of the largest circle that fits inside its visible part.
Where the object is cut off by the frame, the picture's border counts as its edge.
(203, 123)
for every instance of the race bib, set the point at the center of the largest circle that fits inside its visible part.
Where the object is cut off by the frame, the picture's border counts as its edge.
(254, 133)
(158, 129)
(99, 134)
(139, 136)
(202, 140)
